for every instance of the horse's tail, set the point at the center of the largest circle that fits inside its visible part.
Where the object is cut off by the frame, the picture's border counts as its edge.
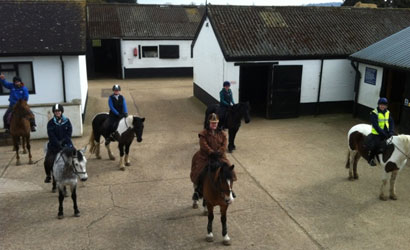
(348, 159)
(93, 146)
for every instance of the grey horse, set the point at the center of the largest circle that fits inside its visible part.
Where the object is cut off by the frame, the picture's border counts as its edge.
(69, 165)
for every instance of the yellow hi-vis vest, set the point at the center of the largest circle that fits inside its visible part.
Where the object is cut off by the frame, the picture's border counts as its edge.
(383, 120)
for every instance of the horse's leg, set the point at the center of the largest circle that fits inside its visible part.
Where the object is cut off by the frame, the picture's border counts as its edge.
(350, 163)
(356, 159)
(227, 240)
(54, 188)
(107, 146)
(23, 144)
(60, 200)
(204, 207)
(30, 160)
(127, 152)
(210, 236)
(121, 148)
(232, 134)
(393, 177)
(74, 197)
(97, 149)
(16, 146)
(384, 182)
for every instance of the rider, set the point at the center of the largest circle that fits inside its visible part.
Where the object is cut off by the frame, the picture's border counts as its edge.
(212, 142)
(118, 110)
(59, 132)
(17, 91)
(382, 128)
(226, 101)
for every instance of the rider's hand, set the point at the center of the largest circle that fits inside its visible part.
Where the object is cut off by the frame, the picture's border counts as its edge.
(2, 77)
(125, 115)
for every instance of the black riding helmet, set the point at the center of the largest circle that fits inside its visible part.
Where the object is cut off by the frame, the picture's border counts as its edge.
(116, 87)
(58, 107)
(16, 79)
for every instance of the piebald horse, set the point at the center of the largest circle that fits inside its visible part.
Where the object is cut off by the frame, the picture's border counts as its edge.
(127, 128)
(392, 160)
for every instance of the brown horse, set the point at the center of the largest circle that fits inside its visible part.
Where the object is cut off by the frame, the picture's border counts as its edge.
(217, 191)
(20, 128)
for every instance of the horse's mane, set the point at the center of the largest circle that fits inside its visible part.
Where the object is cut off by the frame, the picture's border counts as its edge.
(405, 139)
(21, 108)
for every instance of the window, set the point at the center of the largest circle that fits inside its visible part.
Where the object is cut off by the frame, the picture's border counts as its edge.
(149, 51)
(370, 76)
(169, 51)
(22, 69)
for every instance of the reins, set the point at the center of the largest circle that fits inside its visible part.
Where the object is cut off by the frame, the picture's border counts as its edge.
(75, 171)
(390, 141)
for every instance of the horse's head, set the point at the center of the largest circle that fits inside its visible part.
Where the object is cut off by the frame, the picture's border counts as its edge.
(138, 127)
(226, 177)
(79, 163)
(243, 109)
(22, 109)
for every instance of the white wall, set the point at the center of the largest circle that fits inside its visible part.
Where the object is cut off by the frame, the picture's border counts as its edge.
(49, 89)
(369, 94)
(130, 61)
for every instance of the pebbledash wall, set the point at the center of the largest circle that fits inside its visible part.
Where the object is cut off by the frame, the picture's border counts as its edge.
(211, 70)
(134, 65)
(48, 84)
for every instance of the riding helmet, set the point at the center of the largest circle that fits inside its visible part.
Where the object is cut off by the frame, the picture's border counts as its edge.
(383, 100)
(16, 79)
(116, 87)
(213, 118)
(58, 107)
(227, 83)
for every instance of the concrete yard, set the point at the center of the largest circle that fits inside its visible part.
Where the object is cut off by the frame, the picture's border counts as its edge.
(292, 188)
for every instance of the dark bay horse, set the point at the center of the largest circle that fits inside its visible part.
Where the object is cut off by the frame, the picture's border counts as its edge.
(20, 128)
(127, 128)
(70, 164)
(217, 191)
(392, 159)
(233, 118)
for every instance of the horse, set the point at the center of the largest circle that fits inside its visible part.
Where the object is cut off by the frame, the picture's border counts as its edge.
(217, 181)
(69, 165)
(392, 159)
(127, 127)
(233, 118)
(20, 128)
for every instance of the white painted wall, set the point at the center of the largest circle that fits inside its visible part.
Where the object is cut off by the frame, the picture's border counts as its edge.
(49, 89)
(129, 61)
(369, 94)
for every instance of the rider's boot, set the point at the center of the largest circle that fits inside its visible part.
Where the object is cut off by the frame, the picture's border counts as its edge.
(33, 125)
(47, 179)
(371, 160)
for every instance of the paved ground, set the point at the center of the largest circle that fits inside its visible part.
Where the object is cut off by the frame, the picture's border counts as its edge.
(293, 191)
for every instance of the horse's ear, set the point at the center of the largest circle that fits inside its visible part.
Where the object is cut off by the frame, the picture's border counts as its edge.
(84, 149)
(231, 167)
(143, 119)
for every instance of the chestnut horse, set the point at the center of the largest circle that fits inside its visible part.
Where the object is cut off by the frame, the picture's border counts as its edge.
(392, 159)
(217, 191)
(20, 128)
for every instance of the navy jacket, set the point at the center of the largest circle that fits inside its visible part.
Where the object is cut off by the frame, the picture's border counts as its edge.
(226, 98)
(117, 106)
(386, 133)
(59, 134)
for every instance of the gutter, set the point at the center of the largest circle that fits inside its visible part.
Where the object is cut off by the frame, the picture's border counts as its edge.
(356, 86)
(319, 89)
(63, 74)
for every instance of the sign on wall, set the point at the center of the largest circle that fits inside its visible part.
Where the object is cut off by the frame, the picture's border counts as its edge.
(370, 76)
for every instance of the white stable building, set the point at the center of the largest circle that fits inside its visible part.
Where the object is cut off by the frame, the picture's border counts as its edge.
(45, 43)
(134, 40)
(286, 61)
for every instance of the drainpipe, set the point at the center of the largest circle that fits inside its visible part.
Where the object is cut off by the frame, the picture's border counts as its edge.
(63, 74)
(319, 89)
(357, 78)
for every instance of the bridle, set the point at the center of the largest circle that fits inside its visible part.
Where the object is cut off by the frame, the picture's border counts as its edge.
(217, 181)
(75, 171)
(390, 141)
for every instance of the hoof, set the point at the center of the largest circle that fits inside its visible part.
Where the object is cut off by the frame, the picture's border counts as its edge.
(77, 214)
(127, 164)
(351, 178)
(356, 177)
(112, 158)
(60, 216)
(383, 198)
(393, 197)
(195, 205)
(30, 162)
(98, 157)
(122, 168)
(227, 242)
(210, 237)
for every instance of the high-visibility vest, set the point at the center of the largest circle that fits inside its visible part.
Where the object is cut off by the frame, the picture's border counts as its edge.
(383, 120)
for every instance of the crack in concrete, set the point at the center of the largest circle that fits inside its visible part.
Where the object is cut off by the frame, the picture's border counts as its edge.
(259, 185)
(7, 166)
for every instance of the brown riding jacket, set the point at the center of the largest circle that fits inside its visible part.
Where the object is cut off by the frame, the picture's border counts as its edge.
(209, 143)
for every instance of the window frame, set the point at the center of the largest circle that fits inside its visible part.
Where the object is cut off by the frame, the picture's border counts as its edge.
(16, 69)
(149, 46)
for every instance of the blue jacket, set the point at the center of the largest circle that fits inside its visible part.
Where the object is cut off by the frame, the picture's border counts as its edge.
(226, 98)
(59, 134)
(386, 133)
(15, 93)
(117, 106)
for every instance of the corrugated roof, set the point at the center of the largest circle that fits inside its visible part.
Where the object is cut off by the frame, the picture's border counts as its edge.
(393, 51)
(266, 33)
(42, 28)
(135, 21)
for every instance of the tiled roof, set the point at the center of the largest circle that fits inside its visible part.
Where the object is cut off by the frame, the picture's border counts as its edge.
(136, 21)
(42, 28)
(266, 33)
(393, 51)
